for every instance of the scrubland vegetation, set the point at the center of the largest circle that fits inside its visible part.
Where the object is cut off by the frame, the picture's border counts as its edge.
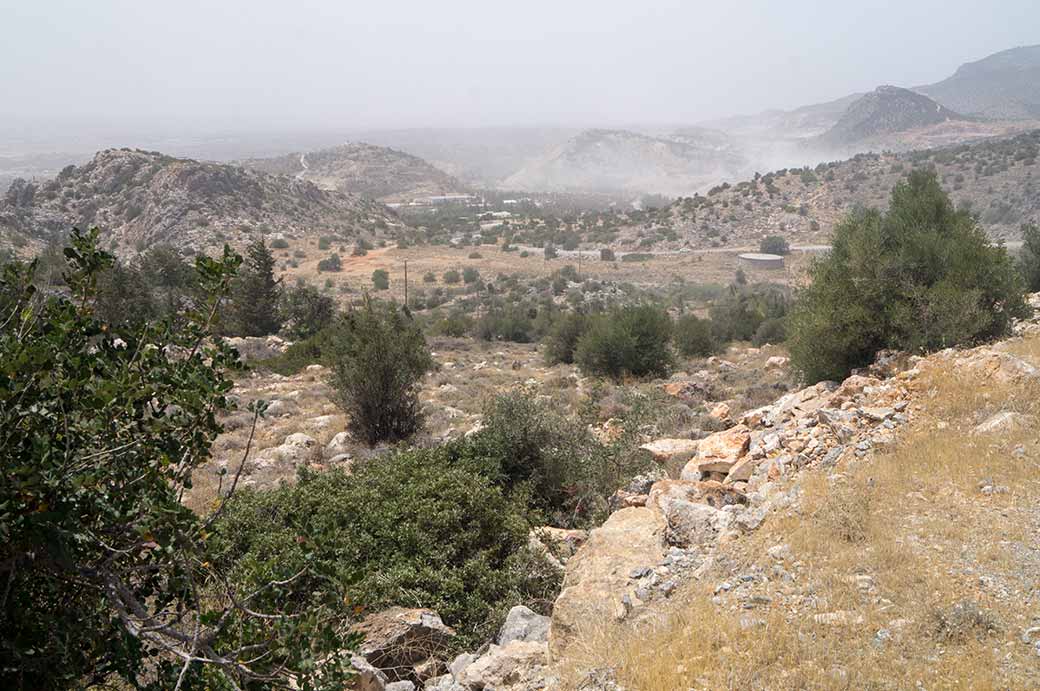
(113, 383)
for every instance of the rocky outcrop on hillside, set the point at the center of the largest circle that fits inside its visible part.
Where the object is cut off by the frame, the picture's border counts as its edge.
(885, 111)
(373, 172)
(140, 198)
(736, 481)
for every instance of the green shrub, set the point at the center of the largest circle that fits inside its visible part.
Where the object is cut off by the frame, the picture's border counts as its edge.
(311, 350)
(361, 248)
(429, 277)
(694, 337)
(562, 340)
(455, 325)
(100, 560)
(920, 277)
(324, 242)
(279, 244)
(550, 252)
(420, 527)
(632, 340)
(378, 356)
(470, 275)
(332, 263)
(737, 315)
(771, 330)
(606, 255)
(506, 322)
(774, 244)
(306, 311)
(1029, 257)
(554, 461)
(381, 279)
(451, 277)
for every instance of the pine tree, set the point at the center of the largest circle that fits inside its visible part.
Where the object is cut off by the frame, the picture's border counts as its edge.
(254, 303)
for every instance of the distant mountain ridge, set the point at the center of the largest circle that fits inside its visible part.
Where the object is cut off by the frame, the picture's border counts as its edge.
(366, 170)
(143, 197)
(621, 160)
(1005, 85)
(885, 111)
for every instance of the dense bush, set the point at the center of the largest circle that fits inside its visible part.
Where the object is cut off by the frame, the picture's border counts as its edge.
(279, 244)
(554, 461)
(108, 579)
(470, 275)
(451, 277)
(381, 279)
(378, 356)
(332, 263)
(305, 311)
(920, 277)
(632, 340)
(771, 330)
(1029, 257)
(455, 325)
(694, 337)
(738, 314)
(507, 322)
(422, 528)
(562, 340)
(774, 244)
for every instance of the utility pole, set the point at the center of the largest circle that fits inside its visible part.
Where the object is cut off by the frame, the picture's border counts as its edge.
(406, 283)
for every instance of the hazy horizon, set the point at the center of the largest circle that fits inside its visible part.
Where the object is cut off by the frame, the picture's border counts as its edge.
(318, 65)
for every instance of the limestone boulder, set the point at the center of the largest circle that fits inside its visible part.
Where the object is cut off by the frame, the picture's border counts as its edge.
(708, 492)
(667, 451)
(597, 576)
(339, 444)
(523, 624)
(516, 666)
(1004, 422)
(400, 640)
(692, 523)
(718, 453)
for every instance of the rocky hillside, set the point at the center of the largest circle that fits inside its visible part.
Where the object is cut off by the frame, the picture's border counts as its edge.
(877, 533)
(365, 170)
(618, 160)
(139, 198)
(1005, 85)
(997, 178)
(887, 518)
(886, 111)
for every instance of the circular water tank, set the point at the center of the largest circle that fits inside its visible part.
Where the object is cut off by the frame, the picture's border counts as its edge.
(762, 261)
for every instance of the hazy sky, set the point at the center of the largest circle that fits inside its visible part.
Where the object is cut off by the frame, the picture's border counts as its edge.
(258, 64)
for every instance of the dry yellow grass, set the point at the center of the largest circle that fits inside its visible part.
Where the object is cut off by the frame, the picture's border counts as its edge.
(945, 562)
